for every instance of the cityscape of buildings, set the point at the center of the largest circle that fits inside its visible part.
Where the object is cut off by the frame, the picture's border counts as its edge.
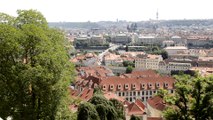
(153, 51)
(131, 62)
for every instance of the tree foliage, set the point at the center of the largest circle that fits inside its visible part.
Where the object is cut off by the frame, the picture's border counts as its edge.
(34, 68)
(87, 111)
(193, 99)
(129, 69)
(128, 63)
(106, 109)
(133, 117)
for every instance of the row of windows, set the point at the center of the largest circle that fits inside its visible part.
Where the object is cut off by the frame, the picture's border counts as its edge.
(131, 99)
(143, 85)
(140, 93)
(135, 93)
(143, 98)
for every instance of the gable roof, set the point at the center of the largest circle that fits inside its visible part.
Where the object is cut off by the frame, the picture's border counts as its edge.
(136, 108)
(157, 103)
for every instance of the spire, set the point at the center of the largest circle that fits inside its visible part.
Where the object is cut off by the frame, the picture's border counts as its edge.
(157, 15)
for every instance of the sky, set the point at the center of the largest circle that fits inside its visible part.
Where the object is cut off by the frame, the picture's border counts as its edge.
(111, 10)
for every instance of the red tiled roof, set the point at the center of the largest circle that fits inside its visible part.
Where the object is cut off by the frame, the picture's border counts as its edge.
(126, 103)
(127, 84)
(97, 71)
(86, 94)
(140, 74)
(157, 103)
(136, 108)
(110, 95)
(140, 103)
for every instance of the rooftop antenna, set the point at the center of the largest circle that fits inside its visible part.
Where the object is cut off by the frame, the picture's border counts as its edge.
(157, 15)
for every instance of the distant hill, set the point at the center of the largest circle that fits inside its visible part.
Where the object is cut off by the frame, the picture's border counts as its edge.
(73, 25)
(123, 24)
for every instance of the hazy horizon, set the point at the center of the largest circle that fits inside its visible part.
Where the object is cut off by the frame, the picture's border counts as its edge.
(111, 10)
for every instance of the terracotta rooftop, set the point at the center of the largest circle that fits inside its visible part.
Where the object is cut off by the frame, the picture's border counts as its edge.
(97, 71)
(86, 94)
(110, 95)
(136, 108)
(145, 73)
(157, 103)
(128, 84)
(83, 57)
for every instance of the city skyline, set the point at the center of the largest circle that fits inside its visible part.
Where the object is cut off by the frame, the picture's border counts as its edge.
(109, 10)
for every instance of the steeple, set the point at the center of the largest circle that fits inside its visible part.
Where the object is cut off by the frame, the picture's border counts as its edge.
(157, 15)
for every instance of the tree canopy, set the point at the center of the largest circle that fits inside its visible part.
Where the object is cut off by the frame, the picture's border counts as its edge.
(106, 109)
(34, 68)
(193, 99)
(129, 69)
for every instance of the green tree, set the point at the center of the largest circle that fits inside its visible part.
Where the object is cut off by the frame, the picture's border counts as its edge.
(164, 54)
(193, 99)
(34, 69)
(128, 63)
(106, 109)
(129, 69)
(87, 111)
(119, 108)
(133, 117)
(6, 19)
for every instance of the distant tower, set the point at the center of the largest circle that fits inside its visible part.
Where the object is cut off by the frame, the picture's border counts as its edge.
(157, 15)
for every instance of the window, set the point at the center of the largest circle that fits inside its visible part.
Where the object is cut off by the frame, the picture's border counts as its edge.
(134, 93)
(104, 87)
(130, 99)
(154, 91)
(150, 92)
(130, 93)
(157, 85)
(166, 85)
(172, 91)
(142, 98)
(133, 86)
(126, 93)
(147, 92)
(123, 93)
(143, 85)
(150, 85)
(119, 86)
(119, 93)
(126, 86)
(142, 92)
(138, 93)
(111, 86)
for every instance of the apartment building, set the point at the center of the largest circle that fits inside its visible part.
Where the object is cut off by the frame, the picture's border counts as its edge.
(173, 66)
(150, 40)
(121, 39)
(97, 40)
(178, 41)
(137, 88)
(111, 59)
(148, 61)
(176, 50)
(199, 41)
(142, 86)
